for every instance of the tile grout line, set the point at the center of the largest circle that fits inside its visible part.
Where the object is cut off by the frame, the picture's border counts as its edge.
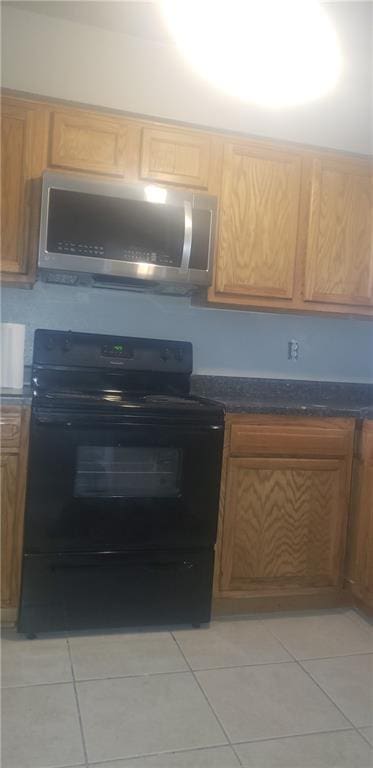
(77, 705)
(300, 665)
(207, 699)
(364, 737)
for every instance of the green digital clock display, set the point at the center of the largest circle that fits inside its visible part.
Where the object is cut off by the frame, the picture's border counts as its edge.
(117, 350)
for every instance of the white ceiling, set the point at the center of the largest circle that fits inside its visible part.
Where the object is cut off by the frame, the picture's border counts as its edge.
(140, 19)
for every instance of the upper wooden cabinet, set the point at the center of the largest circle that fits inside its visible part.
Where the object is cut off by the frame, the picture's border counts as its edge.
(24, 135)
(284, 505)
(175, 157)
(257, 240)
(339, 257)
(94, 143)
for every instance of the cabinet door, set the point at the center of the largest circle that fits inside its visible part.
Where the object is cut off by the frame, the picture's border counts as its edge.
(339, 257)
(23, 154)
(284, 524)
(360, 559)
(86, 142)
(260, 198)
(175, 157)
(8, 475)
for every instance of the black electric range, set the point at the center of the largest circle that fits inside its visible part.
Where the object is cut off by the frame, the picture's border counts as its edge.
(123, 485)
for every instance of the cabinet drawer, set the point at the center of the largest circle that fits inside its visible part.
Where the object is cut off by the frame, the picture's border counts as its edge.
(10, 426)
(291, 438)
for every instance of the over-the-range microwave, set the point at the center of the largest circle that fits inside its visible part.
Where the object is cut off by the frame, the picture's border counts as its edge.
(120, 235)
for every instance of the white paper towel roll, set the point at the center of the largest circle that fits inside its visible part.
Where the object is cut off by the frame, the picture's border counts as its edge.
(12, 340)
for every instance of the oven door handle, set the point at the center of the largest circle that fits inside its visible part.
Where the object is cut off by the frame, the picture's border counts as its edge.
(63, 420)
(154, 565)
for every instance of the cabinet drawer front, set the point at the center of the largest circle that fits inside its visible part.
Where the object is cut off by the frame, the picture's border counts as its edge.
(175, 157)
(88, 143)
(10, 425)
(289, 439)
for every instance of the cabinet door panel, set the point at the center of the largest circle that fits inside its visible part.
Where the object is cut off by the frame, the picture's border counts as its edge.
(339, 259)
(8, 472)
(258, 221)
(23, 157)
(176, 157)
(284, 523)
(89, 143)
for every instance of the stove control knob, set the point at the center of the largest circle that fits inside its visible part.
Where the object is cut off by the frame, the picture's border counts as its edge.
(66, 345)
(165, 354)
(49, 344)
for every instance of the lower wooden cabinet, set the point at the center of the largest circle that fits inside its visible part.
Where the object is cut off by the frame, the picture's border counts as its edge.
(360, 549)
(284, 506)
(13, 466)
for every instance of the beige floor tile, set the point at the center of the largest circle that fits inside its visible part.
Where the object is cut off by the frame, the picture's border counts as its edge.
(116, 655)
(230, 643)
(342, 749)
(368, 733)
(25, 662)
(40, 727)
(321, 635)
(215, 757)
(268, 701)
(349, 682)
(148, 714)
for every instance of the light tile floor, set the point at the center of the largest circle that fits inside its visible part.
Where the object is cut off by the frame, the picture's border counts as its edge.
(279, 691)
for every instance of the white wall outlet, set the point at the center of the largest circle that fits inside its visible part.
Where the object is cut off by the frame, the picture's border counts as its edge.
(293, 349)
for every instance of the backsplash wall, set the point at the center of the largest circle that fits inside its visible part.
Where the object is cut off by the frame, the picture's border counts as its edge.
(225, 342)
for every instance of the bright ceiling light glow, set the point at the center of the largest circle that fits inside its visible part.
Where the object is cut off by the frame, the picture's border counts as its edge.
(155, 194)
(276, 53)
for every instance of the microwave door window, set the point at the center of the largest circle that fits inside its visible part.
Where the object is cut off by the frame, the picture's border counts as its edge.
(122, 229)
(126, 472)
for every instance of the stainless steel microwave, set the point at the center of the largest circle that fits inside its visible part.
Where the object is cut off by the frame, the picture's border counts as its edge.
(133, 236)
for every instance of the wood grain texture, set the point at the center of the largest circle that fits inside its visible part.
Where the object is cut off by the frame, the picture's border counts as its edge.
(13, 489)
(23, 157)
(285, 523)
(339, 258)
(359, 570)
(175, 157)
(10, 428)
(258, 221)
(283, 507)
(86, 142)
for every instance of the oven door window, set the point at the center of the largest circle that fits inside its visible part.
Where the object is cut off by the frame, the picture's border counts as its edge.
(127, 472)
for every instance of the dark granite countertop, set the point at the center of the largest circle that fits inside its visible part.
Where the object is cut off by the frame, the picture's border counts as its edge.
(277, 396)
(284, 396)
(16, 396)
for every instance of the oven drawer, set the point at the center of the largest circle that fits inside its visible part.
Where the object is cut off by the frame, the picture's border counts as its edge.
(63, 592)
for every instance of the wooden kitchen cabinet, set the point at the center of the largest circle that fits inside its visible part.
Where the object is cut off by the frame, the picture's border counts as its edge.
(175, 157)
(284, 508)
(339, 251)
(92, 142)
(259, 207)
(24, 138)
(360, 549)
(13, 466)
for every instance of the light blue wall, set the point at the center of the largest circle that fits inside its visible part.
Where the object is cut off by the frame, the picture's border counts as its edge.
(225, 342)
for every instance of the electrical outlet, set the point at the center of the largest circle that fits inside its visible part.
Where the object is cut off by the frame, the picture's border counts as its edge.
(293, 349)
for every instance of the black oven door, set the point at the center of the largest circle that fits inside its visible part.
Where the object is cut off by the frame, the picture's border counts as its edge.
(104, 484)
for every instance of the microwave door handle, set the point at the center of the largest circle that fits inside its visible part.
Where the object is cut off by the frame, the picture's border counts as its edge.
(188, 226)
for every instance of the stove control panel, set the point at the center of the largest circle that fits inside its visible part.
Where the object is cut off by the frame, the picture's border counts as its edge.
(69, 349)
